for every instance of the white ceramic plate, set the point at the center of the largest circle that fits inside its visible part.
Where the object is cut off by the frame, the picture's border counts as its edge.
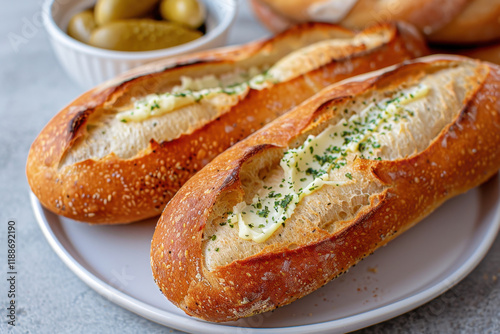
(413, 269)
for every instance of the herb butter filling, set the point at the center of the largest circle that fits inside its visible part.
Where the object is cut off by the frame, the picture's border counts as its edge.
(298, 62)
(193, 90)
(308, 167)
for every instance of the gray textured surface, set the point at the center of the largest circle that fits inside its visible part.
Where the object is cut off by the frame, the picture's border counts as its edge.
(51, 299)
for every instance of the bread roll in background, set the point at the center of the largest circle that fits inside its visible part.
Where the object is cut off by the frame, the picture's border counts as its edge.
(460, 22)
(477, 23)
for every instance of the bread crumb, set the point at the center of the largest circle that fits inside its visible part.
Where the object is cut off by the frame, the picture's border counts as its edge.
(373, 269)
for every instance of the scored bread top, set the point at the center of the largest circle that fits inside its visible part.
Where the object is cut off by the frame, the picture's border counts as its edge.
(440, 153)
(87, 166)
(312, 220)
(108, 134)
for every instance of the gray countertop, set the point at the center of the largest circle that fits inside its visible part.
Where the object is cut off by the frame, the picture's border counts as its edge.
(50, 298)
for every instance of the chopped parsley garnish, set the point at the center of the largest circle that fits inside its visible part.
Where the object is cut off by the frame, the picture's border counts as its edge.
(264, 212)
(285, 201)
(313, 172)
(155, 105)
(314, 164)
(273, 194)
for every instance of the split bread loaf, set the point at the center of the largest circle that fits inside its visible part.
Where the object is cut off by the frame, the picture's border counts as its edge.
(299, 202)
(118, 153)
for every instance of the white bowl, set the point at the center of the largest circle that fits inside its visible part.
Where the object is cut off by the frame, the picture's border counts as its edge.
(89, 66)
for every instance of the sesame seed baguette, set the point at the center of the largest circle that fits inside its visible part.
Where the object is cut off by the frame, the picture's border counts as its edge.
(444, 142)
(91, 165)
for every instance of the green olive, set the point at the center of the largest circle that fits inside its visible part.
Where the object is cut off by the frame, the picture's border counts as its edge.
(141, 35)
(112, 10)
(81, 25)
(190, 13)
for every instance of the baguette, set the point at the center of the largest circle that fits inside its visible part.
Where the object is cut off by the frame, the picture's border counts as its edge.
(118, 153)
(233, 242)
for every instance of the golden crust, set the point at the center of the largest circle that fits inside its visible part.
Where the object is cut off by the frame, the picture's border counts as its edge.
(415, 186)
(113, 190)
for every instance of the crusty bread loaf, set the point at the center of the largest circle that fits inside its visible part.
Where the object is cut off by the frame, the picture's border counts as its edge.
(450, 21)
(423, 131)
(119, 152)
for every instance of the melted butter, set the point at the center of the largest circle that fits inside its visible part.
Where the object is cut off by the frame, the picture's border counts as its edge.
(193, 90)
(308, 167)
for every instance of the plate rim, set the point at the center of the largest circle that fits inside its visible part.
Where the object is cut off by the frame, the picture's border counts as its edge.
(350, 323)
